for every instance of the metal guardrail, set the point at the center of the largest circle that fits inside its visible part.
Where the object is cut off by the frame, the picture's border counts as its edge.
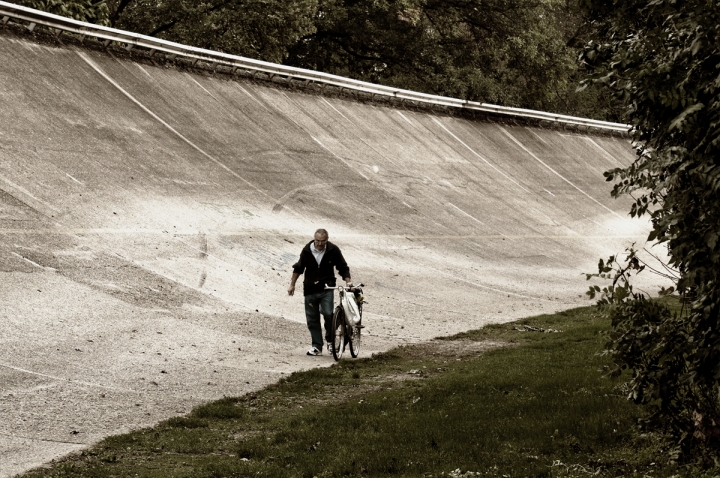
(130, 40)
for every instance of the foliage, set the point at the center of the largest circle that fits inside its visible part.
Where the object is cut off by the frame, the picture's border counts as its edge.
(661, 58)
(92, 11)
(261, 29)
(507, 52)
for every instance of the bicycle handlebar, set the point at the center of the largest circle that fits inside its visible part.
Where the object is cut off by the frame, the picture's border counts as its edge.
(359, 286)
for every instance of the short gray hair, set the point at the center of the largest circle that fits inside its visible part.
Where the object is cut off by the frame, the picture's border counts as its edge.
(322, 232)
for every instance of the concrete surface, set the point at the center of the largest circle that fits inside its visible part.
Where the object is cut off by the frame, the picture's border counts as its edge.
(149, 219)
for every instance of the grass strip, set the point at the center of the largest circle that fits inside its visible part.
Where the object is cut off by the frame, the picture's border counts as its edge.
(504, 400)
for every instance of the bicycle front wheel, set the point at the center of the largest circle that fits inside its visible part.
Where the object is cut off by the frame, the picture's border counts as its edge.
(338, 326)
(355, 332)
(355, 342)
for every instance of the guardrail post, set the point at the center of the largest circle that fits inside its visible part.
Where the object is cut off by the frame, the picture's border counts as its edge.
(152, 52)
(106, 43)
(129, 46)
(194, 61)
(32, 25)
(5, 19)
(234, 70)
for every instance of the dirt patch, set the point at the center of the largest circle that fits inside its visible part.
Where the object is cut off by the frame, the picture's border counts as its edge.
(417, 362)
(457, 348)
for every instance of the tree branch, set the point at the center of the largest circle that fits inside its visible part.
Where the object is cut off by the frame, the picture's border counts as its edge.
(118, 11)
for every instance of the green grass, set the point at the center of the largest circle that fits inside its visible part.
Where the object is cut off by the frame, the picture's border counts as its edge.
(537, 405)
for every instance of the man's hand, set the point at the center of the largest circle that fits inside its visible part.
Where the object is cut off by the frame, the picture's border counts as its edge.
(293, 280)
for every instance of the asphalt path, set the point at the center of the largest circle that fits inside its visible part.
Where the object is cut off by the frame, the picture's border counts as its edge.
(149, 218)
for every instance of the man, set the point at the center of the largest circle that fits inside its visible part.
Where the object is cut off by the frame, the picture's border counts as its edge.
(317, 260)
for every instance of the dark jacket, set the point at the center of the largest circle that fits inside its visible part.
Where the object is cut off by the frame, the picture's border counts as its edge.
(316, 276)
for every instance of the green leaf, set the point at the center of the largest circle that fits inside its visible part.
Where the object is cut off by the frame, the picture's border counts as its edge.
(680, 119)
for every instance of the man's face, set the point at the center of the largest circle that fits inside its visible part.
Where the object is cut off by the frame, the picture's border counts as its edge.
(320, 241)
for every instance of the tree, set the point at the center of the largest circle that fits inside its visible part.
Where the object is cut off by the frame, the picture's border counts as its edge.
(92, 11)
(507, 52)
(661, 58)
(261, 29)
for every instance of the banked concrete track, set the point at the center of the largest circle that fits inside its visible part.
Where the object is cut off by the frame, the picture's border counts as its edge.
(149, 219)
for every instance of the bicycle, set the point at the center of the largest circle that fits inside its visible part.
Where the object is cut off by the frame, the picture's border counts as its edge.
(347, 321)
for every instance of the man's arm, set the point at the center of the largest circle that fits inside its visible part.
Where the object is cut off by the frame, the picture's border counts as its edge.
(342, 267)
(298, 269)
(293, 280)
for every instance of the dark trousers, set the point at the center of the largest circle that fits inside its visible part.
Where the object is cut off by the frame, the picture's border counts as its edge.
(318, 304)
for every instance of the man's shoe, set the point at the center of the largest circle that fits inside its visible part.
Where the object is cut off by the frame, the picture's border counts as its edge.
(314, 351)
(330, 348)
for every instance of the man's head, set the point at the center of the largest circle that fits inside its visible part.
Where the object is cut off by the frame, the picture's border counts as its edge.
(321, 238)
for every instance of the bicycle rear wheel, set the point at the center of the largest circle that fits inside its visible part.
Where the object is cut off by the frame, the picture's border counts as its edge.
(338, 325)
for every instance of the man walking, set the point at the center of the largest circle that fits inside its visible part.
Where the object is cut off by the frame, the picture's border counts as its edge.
(317, 260)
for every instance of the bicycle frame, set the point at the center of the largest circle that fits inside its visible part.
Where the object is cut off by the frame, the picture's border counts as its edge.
(347, 305)
(348, 330)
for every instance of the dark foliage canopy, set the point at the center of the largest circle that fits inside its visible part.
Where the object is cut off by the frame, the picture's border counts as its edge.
(262, 29)
(511, 53)
(93, 11)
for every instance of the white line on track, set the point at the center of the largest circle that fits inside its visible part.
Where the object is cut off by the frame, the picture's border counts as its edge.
(164, 123)
(31, 262)
(201, 86)
(252, 97)
(358, 136)
(473, 218)
(405, 118)
(507, 133)
(20, 437)
(609, 156)
(66, 174)
(500, 291)
(593, 220)
(143, 70)
(301, 128)
(537, 135)
(481, 157)
(338, 111)
(67, 380)
(468, 215)
(26, 192)
(340, 158)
